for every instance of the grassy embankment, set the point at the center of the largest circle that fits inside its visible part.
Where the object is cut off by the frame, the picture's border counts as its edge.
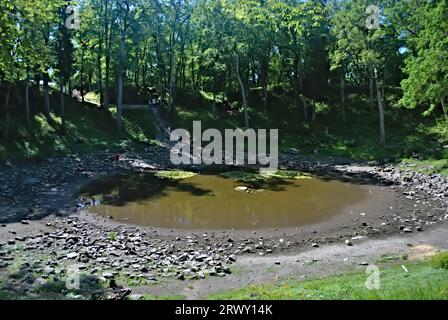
(87, 129)
(421, 142)
(411, 138)
(422, 281)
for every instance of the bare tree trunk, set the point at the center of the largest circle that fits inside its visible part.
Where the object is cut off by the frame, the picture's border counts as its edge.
(7, 114)
(214, 103)
(107, 39)
(445, 111)
(371, 94)
(265, 83)
(265, 97)
(384, 96)
(171, 81)
(381, 110)
(106, 88)
(47, 98)
(100, 74)
(313, 112)
(82, 75)
(120, 84)
(27, 100)
(243, 91)
(344, 119)
(61, 97)
(305, 107)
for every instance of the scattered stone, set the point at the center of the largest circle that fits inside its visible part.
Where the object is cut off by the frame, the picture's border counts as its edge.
(181, 277)
(278, 263)
(348, 243)
(72, 255)
(315, 245)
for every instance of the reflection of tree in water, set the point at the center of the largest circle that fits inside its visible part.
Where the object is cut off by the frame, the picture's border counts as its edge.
(191, 203)
(122, 189)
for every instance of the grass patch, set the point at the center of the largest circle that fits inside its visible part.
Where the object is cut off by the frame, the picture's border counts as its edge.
(428, 166)
(440, 261)
(254, 177)
(421, 283)
(175, 174)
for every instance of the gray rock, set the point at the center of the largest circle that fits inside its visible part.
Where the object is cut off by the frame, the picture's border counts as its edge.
(72, 255)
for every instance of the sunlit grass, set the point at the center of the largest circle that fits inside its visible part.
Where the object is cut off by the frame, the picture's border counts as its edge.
(421, 282)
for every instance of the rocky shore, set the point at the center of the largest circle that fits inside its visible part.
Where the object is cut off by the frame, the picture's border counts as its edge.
(46, 239)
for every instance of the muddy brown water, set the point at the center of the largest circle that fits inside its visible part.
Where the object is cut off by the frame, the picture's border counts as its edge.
(212, 201)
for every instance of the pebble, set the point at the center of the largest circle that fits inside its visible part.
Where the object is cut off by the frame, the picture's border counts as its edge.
(72, 255)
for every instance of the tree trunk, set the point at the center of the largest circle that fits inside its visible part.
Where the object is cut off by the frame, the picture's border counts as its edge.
(106, 89)
(61, 97)
(313, 112)
(265, 83)
(214, 103)
(27, 100)
(344, 119)
(243, 91)
(171, 81)
(7, 114)
(371, 94)
(82, 74)
(120, 84)
(47, 98)
(381, 110)
(100, 73)
(305, 107)
(296, 83)
(108, 36)
(445, 111)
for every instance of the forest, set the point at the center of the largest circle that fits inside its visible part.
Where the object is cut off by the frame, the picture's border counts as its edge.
(314, 69)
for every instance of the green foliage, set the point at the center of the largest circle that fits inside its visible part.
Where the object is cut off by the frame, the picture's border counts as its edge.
(112, 236)
(440, 261)
(255, 177)
(277, 54)
(427, 70)
(175, 174)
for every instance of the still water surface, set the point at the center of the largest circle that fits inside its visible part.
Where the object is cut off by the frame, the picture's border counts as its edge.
(212, 201)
